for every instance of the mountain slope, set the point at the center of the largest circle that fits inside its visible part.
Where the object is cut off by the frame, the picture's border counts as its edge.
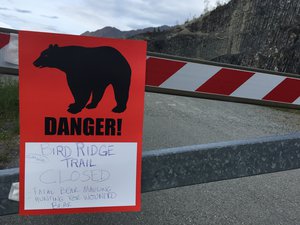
(258, 33)
(116, 33)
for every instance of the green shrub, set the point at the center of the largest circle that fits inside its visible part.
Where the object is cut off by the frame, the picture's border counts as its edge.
(9, 108)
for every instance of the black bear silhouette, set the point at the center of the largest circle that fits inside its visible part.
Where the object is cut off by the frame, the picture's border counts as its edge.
(90, 71)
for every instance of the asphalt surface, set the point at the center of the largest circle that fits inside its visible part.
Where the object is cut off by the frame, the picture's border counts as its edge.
(172, 121)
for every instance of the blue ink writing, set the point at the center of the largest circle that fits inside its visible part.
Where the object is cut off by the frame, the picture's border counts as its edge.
(59, 150)
(78, 163)
(94, 150)
(52, 176)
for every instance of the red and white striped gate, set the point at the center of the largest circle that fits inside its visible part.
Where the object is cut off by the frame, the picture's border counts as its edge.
(9, 50)
(223, 82)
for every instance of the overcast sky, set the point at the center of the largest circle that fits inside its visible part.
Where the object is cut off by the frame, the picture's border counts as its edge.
(78, 16)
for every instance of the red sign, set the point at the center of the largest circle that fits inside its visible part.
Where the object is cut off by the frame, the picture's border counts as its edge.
(81, 118)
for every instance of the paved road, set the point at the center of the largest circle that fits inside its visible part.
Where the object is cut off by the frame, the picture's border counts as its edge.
(177, 121)
(172, 121)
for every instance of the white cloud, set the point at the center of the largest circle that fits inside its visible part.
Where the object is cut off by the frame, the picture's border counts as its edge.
(77, 16)
(5, 25)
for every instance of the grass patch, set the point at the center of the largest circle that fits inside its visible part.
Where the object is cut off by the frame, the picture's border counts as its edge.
(9, 98)
(9, 117)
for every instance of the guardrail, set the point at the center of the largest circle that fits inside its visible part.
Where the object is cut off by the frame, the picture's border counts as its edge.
(7, 178)
(176, 167)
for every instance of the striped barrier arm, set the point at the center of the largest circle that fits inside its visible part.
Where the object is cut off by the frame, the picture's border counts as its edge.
(181, 76)
(9, 50)
(223, 82)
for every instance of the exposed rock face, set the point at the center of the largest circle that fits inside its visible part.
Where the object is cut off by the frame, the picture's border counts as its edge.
(257, 33)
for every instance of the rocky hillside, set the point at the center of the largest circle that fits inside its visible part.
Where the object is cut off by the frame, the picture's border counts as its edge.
(258, 33)
(116, 33)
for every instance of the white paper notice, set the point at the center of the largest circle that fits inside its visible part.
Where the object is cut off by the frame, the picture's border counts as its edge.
(79, 175)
